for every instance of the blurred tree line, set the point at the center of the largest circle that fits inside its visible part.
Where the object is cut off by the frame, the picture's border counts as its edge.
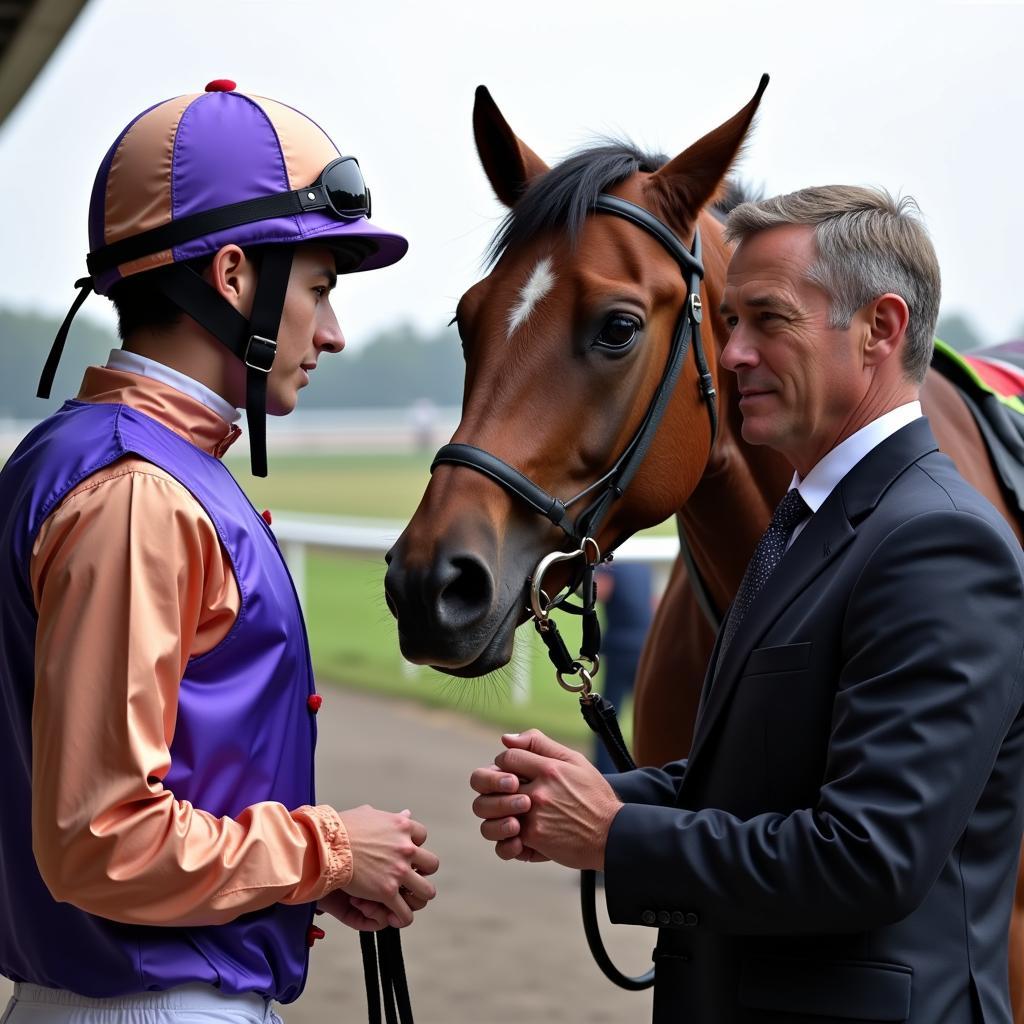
(392, 370)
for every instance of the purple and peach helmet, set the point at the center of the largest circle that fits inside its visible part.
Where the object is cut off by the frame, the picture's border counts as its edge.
(201, 171)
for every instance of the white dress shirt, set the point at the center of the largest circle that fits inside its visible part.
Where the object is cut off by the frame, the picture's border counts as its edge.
(823, 479)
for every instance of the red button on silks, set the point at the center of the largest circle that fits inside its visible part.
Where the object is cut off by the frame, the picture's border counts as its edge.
(220, 85)
(314, 934)
(267, 517)
(314, 702)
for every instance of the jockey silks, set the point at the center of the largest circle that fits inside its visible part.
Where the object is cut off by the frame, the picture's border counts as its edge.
(243, 731)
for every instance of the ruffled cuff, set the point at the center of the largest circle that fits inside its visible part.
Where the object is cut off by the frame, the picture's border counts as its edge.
(336, 851)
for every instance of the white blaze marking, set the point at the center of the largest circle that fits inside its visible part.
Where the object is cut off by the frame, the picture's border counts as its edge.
(538, 284)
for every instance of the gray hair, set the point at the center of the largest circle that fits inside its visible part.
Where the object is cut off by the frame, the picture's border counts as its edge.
(868, 244)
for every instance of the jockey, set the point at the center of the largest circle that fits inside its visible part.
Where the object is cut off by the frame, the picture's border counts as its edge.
(161, 844)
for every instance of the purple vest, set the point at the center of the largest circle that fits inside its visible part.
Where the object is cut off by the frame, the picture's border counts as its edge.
(244, 733)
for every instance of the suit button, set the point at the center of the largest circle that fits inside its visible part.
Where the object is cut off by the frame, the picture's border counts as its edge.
(267, 517)
(664, 917)
(314, 702)
(678, 917)
(648, 917)
(314, 934)
(691, 920)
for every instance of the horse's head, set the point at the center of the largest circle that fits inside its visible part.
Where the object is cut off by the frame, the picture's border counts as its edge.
(565, 341)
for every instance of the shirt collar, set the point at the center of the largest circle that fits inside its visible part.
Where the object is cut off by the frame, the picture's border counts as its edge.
(132, 362)
(172, 399)
(822, 480)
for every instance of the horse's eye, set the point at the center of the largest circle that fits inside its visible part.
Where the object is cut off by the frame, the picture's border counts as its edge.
(619, 331)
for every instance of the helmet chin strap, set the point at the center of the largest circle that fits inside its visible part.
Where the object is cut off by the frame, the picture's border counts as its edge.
(84, 286)
(253, 340)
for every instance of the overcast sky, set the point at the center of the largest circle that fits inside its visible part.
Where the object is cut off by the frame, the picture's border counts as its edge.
(924, 97)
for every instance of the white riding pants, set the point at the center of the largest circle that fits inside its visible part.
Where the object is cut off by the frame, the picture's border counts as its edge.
(185, 1004)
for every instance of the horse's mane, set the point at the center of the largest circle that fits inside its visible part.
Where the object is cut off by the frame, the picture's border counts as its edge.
(564, 196)
(735, 193)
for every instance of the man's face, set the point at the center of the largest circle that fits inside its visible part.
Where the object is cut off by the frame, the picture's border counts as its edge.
(800, 381)
(308, 327)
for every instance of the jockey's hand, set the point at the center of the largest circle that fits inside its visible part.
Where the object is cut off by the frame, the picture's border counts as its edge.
(389, 862)
(362, 915)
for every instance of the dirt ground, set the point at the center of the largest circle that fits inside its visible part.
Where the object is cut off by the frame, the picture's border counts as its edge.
(502, 942)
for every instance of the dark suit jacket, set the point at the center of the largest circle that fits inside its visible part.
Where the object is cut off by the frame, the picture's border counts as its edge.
(842, 844)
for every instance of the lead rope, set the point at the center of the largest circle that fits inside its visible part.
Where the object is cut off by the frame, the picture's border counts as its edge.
(598, 713)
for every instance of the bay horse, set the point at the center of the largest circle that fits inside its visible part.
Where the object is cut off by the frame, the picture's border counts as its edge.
(565, 341)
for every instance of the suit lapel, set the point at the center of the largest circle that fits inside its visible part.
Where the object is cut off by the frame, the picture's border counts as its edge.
(821, 541)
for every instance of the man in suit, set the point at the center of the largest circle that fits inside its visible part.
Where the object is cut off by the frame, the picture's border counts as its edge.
(841, 844)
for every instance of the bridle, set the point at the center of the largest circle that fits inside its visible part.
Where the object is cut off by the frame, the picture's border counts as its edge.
(603, 492)
(614, 482)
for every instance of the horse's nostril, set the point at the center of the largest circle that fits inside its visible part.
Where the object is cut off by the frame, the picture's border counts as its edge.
(466, 593)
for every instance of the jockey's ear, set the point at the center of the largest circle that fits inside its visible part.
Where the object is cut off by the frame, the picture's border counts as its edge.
(508, 162)
(694, 178)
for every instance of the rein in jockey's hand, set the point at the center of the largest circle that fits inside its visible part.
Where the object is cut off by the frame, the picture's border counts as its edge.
(543, 801)
(389, 862)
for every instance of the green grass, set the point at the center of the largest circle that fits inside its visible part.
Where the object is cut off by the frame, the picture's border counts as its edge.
(370, 485)
(352, 635)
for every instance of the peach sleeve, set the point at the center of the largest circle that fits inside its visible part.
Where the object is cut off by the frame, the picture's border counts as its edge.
(130, 580)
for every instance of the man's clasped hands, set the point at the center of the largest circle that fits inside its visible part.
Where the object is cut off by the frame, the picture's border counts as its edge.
(539, 801)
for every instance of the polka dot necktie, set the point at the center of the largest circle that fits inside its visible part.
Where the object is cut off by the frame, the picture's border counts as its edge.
(767, 555)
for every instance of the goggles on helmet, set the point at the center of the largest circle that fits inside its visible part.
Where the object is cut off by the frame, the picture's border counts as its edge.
(343, 188)
(339, 188)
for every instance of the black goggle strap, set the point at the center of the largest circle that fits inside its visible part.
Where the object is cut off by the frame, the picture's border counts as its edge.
(84, 284)
(208, 222)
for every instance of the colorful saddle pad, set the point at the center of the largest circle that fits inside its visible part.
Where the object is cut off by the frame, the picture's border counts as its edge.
(991, 383)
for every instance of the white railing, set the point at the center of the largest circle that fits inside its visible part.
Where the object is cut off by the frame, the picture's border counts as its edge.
(362, 538)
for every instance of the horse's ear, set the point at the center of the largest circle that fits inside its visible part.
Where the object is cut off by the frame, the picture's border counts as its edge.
(509, 163)
(693, 179)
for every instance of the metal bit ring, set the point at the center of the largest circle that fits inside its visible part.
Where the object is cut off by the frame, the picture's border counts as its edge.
(583, 688)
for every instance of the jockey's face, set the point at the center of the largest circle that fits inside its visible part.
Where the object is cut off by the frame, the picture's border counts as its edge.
(308, 327)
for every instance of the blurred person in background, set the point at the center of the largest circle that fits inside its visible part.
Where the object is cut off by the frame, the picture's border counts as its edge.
(163, 852)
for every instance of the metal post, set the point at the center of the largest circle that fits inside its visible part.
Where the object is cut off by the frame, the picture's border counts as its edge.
(294, 552)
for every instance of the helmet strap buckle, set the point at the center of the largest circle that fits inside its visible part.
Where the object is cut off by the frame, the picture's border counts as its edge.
(260, 352)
